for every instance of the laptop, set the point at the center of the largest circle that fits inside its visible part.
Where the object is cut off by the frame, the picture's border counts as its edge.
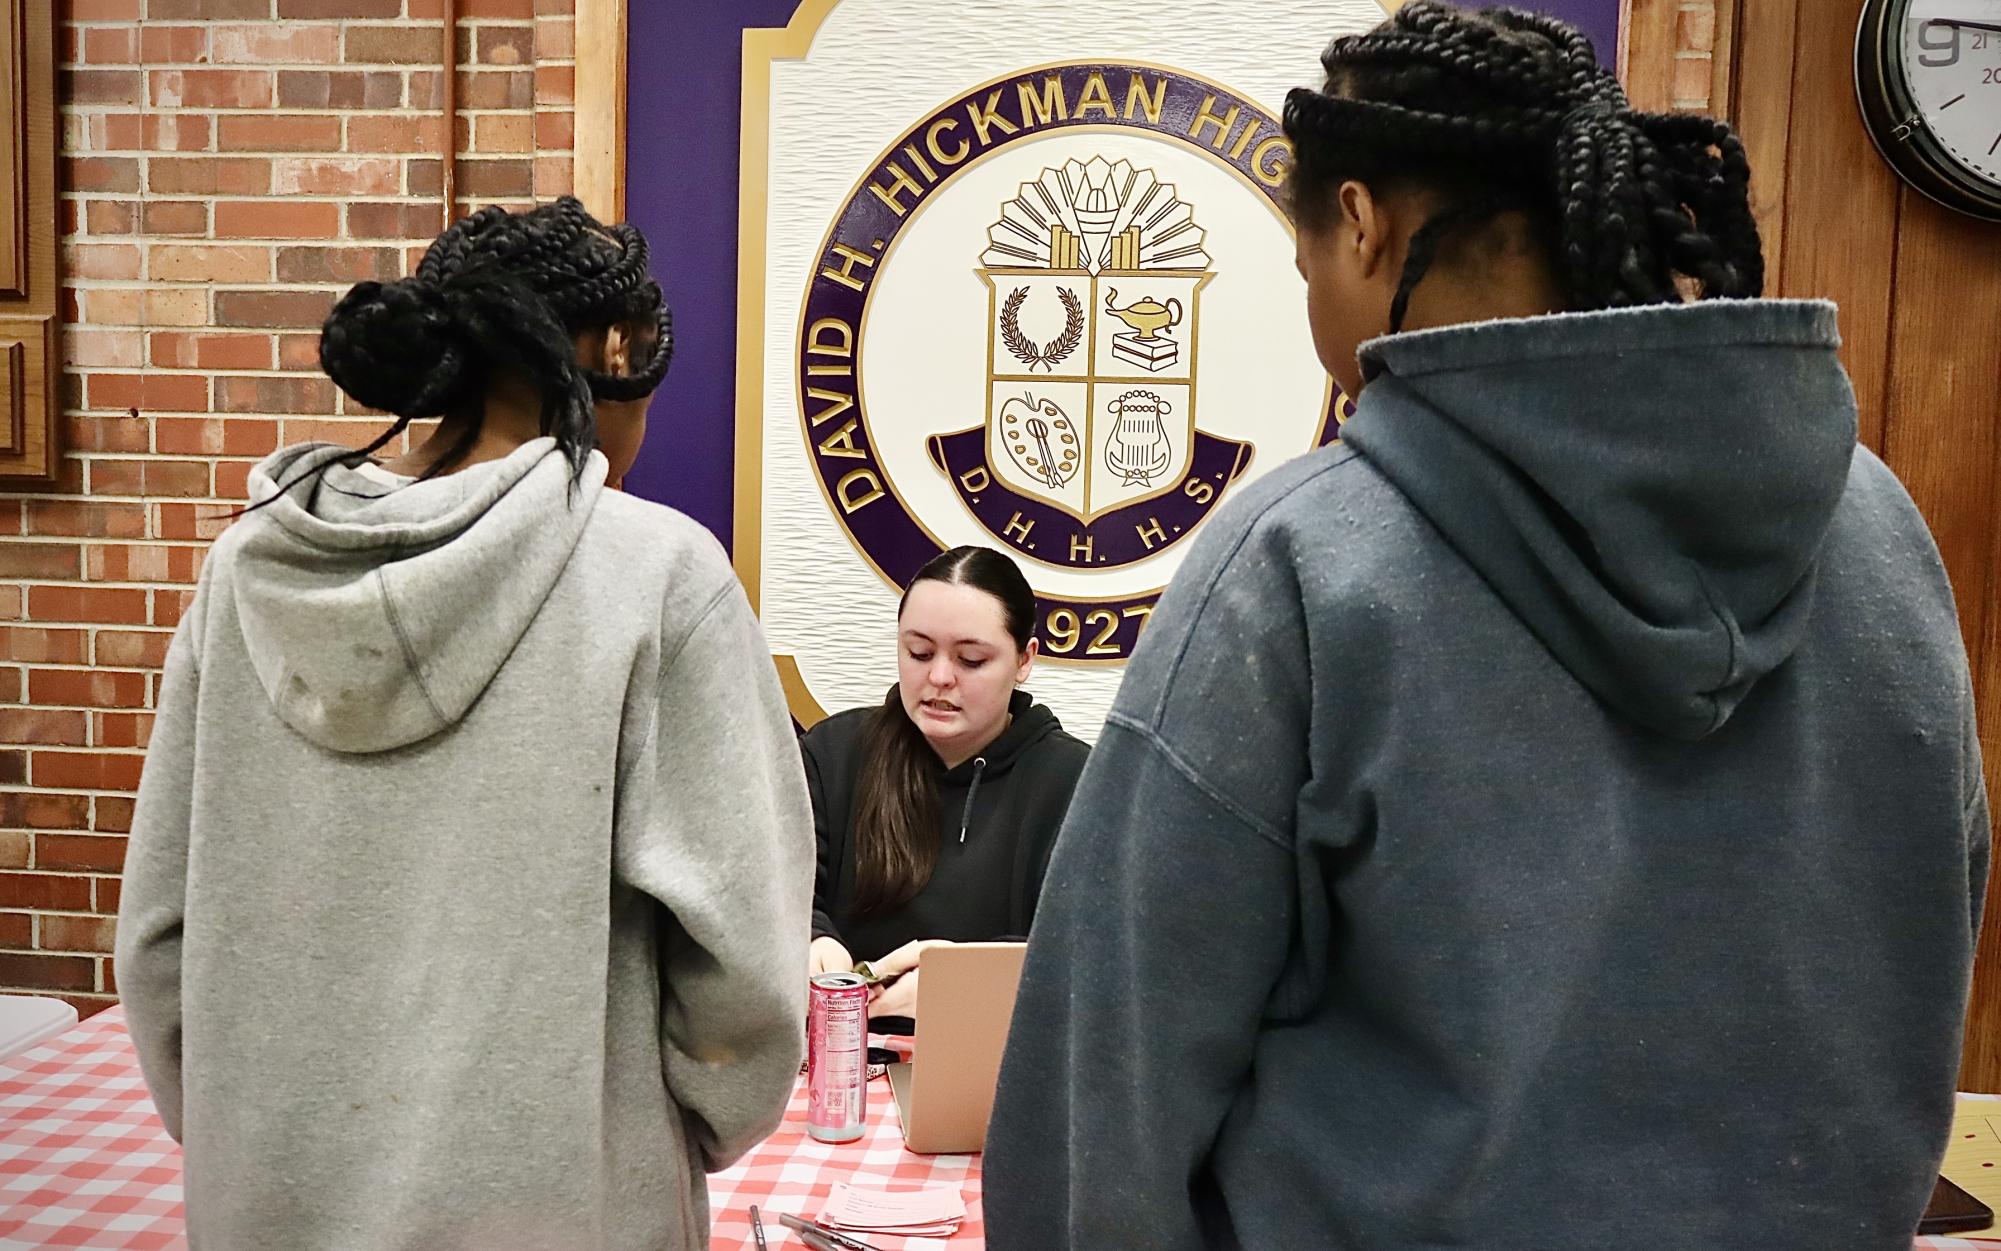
(964, 1002)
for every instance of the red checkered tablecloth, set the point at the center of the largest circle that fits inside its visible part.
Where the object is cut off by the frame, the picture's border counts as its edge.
(85, 1162)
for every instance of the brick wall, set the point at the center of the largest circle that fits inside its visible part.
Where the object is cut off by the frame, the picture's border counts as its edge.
(227, 167)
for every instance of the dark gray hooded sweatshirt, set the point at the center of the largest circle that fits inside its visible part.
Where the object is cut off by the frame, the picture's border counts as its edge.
(1549, 818)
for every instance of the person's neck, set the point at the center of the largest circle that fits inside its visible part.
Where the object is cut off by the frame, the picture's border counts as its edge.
(1506, 278)
(511, 415)
(957, 754)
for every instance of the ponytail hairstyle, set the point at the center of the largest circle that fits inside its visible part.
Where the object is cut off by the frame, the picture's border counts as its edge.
(896, 798)
(1501, 110)
(496, 293)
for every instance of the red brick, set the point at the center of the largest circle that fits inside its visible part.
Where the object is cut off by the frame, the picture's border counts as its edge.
(44, 727)
(173, 349)
(206, 10)
(86, 347)
(274, 395)
(232, 479)
(554, 176)
(343, 89)
(277, 132)
(85, 519)
(184, 522)
(173, 45)
(79, 851)
(152, 478)
(275, 44)
(104, 10)
(45, 891)
(427, 178)
(395, 133)
(37, 811)
(170, 606)
(503, 45)
(555, 84)
(344, 176)
(133, 649)
(393, 221)
(337, 265)
(38, 645)
(373, 9)
(13, 768)
(280, 310)
(17, 847)
(88, 688)
(151, 392)
(555, 131)
(38, 560)
(491, 180)
(124, 729)
(17, 929)
(556, 38)
(109, 888)
(106, 605)
(103, 87)
(212, 89)
(156, 132)
(78, 933)
(199, 263)
(427, 90)
(265, 219)
(499, 10)
(144, 562)
(38, 972)
(111, 814)
(174, 217)
(111, 45)
(212, 436)
(208, 176)
(104, 434)
(496, 89)
(97, 771)
(392, 45)
(100, 173)
(111, 217)
(111, 261)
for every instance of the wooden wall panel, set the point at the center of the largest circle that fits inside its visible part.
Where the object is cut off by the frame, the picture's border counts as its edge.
(31, 453)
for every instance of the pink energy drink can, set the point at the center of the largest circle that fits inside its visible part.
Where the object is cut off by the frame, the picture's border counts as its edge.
(837, 1057)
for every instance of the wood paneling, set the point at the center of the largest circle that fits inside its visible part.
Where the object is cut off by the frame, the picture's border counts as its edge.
(600, 141)
(1919, 288)
(28, 242)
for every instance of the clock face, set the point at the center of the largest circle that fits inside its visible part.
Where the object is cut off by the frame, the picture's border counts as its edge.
(1951, 56)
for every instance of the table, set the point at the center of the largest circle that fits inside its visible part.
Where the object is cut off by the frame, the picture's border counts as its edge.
(85, 1162)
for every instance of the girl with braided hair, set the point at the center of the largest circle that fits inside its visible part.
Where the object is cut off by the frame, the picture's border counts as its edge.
(1553, 810)
(471, 869)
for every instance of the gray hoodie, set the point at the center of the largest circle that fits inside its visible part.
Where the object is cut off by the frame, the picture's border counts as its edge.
(1549, 819)
(468, 892)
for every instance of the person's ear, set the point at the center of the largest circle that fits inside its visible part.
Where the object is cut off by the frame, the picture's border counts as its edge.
(1365, 226)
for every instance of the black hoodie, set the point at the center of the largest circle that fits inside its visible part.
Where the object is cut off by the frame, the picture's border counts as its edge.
(998, 815)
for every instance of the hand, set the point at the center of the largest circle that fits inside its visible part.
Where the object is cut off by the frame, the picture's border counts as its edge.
(900, 997)
(827, 955)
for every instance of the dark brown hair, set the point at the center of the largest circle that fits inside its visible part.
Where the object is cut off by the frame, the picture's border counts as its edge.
(896, 798)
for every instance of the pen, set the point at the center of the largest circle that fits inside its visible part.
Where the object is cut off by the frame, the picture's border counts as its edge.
(757, 1229)
(813, 1229)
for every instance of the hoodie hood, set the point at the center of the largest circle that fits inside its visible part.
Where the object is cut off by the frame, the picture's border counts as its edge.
(376, 616)
(1646, 489)
(1032, 723)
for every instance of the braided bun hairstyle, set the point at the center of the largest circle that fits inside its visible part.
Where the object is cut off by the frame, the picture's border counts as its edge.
(500, 292)
(1501, 110)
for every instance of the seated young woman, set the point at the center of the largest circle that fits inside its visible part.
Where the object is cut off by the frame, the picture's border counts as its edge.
(936, 809)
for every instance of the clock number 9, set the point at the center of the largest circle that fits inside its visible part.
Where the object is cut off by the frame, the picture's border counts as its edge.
(1949, 46)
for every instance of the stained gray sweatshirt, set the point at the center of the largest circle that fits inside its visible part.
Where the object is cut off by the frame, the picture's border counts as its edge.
(1550, 819)
(469, 885)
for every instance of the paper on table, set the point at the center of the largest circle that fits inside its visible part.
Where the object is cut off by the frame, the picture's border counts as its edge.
(925, 1210)
(1973, 1157)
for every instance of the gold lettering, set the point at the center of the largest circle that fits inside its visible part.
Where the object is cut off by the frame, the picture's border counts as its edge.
(1280, 153)
(976, 479)
(850, 502)
(923, 166)
(836, 404)
(988, 119)
(1017, 529)
(830, 371)
(1150, 532)
(845, 275)
(1084, 547)
(899, 183)
(1039, 109)
(842, 443)
(1136, 94)
(1096, 96)
(816, 346)
(1143, 611)
(1207, 117)
(939, 154)
(1198, 490)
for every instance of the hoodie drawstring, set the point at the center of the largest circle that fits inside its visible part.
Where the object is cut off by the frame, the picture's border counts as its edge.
(966, 816)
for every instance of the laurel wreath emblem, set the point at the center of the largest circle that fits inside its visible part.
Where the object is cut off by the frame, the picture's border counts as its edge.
(1056, 350)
